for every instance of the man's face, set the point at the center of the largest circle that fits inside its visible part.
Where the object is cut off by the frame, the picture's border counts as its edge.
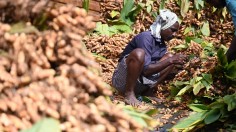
(217, 3)
(169, 33)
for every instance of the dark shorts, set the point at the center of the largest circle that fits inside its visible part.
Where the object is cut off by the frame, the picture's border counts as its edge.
(142, 84)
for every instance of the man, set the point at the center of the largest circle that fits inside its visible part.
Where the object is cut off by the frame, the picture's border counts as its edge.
(145, 62)
(231, 6)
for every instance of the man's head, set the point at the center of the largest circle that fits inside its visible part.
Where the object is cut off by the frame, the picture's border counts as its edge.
(168, 34)
(165, 26)
(217, 3)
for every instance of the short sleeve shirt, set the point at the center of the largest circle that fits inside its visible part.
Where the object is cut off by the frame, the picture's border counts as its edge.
(154, 49)
(231, 5)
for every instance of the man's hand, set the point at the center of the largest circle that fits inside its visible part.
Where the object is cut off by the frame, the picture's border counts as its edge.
(178, 59)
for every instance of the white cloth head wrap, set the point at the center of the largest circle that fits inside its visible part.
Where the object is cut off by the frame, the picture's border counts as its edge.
(163, 21)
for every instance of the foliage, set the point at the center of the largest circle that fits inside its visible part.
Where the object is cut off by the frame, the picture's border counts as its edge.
(129, 11)
(205, 29)
(198, 4)
(45, 125)
(104, 29)
(224, 70)
(86, 4)
(143, 118)
(22, 27)
(208, 48)
(124, 22)
(184, 7)
(162, 4)
(194, 85)
(220, 110)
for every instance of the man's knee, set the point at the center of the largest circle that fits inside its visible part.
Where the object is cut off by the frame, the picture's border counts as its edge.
(138, 54)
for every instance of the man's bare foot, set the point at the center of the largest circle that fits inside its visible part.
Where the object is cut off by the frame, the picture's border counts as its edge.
(132, 100)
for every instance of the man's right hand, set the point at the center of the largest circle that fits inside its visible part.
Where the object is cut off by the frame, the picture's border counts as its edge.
(178, 59)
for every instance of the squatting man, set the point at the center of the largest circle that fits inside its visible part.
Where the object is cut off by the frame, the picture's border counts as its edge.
(145, 62)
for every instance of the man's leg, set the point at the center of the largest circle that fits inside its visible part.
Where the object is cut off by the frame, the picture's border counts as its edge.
(134, 62)
(163, 74)
(231, 53)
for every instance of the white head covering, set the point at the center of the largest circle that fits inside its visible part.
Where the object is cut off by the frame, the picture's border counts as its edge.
(163, 21)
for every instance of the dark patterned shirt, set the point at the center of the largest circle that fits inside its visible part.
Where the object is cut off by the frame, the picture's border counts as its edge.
(154, 49)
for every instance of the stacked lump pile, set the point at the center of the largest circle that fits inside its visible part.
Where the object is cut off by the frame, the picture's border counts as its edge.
(51, 74)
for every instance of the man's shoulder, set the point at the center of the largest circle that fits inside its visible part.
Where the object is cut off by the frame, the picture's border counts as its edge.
(145, 34)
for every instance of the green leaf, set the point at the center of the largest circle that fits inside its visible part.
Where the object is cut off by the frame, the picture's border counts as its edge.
(193, 81)
(198, 79)
(180, 47)
(213, 9)
(151, 112)
(207, 44)
(222, 57)
(224, 12)
(40, 21)
(135, 113)
(149, 8)
(198, 4)
(197, 87)
(130, 17)
(116, 22)
(212, 116)
(230, 100)
(184, 7)
(199, 14)
(86, 4)
(146, 99)
(209, 97)
(197, 40)
(231, 70)
(205, 29)
(154, 15)
(140, 120)
(189, 39)
(223, 47)
(184, 90)
(102, 29)
(187, 30)
(128, 6)
(174, 90)
(114, 13)
(198, 107)
(217, 105)
(123, 28)
(143, 118)
(45, 125)
(207, 77)
(21, 27)
(206, 84)
(162, 4)
(180, 83)
(189, 122)
(112, 30)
